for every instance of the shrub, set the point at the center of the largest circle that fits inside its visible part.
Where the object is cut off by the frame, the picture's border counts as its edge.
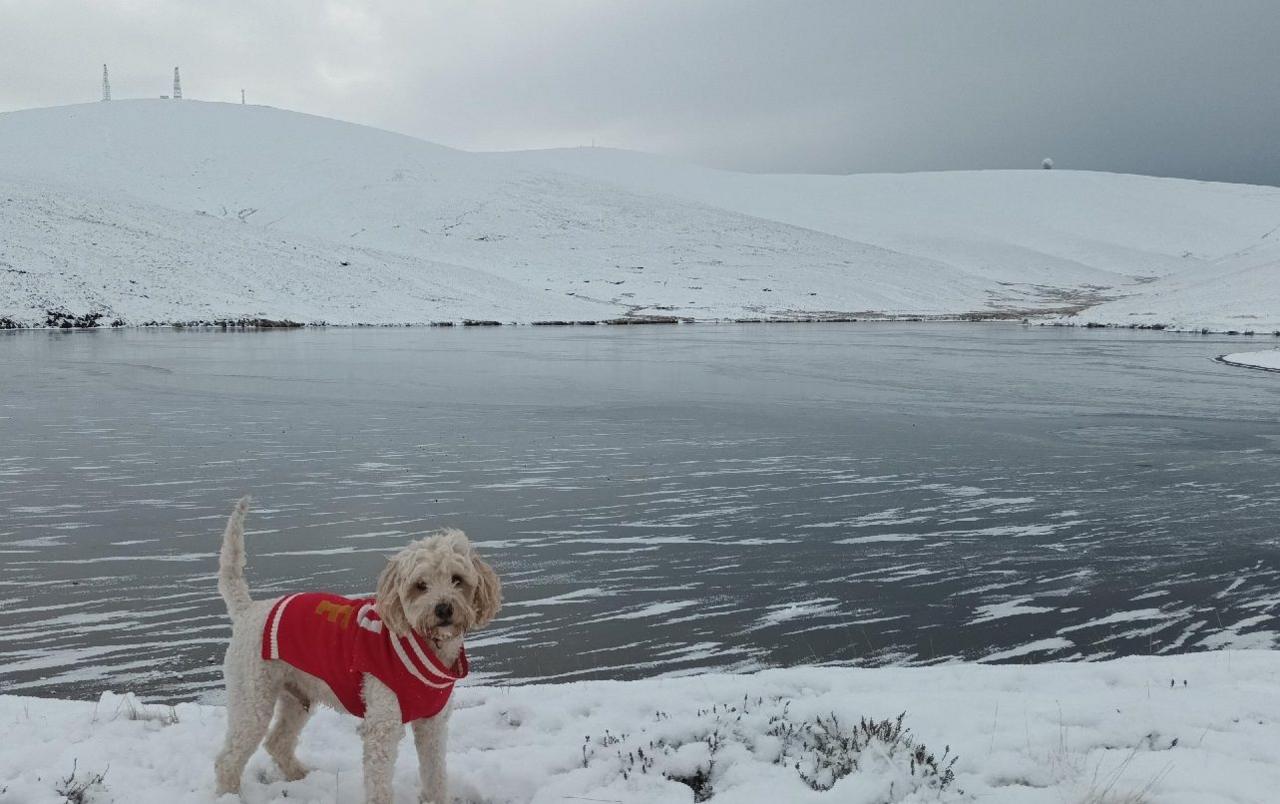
(824, 751)
(76, 787)
(694, 750)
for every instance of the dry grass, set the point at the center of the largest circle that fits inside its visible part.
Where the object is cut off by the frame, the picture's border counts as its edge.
(76, 788)
(132, 709)
(1107, 789)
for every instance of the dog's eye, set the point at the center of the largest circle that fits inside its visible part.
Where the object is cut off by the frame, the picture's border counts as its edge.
(421, 586)
(457, 580)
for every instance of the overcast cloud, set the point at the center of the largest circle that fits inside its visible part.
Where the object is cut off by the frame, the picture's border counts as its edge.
(1167, 88)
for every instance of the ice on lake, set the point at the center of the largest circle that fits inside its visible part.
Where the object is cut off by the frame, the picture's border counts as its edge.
(657, 500)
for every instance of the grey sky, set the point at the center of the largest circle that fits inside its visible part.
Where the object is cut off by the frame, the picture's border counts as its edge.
(1168, 88)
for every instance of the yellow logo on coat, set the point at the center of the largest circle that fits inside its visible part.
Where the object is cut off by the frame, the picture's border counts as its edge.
(337, 613)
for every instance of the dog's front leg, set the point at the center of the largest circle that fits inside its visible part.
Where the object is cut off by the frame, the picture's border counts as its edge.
(430, 736)
(381, 730)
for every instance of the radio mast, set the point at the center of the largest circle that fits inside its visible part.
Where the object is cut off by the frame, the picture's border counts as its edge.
(106, 84)
(177, 85)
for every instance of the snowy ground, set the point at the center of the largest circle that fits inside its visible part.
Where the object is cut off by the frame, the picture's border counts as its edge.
(163, 211)
(1268, 359)
(1193, 729)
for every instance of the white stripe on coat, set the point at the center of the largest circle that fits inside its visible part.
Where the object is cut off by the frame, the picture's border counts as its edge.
(367, 622)
(275, 626)
(431, 667)
(408, 665)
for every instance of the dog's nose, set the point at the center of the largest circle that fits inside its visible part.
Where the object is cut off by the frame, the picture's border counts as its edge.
(444, 612)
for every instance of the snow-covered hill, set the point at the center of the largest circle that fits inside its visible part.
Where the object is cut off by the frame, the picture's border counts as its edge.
(157, 210)
(1236, 292)
(66, 248)
(1184, 254)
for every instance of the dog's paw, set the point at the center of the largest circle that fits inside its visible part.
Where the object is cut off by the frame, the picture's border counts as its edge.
(294, 772)
(283, 772)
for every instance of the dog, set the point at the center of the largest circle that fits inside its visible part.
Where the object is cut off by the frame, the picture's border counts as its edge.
(391, 659)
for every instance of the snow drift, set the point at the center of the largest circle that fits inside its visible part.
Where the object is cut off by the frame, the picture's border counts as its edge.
(173, 211)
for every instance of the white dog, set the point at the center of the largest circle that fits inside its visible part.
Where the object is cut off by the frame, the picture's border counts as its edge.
(391, 659)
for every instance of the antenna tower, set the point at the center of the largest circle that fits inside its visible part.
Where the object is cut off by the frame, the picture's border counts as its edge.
(177, 85)
(242, 97)
(106, 84)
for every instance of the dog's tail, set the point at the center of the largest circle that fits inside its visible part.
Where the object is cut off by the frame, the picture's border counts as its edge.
(231, 583)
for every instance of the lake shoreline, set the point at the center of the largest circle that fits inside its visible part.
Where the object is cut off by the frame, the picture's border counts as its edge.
(249, 324)
(1268, 360)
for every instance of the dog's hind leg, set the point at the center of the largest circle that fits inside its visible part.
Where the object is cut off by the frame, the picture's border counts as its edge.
(248, 716)
(291, 715)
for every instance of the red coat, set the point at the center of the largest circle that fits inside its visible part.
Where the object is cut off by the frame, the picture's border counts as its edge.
(339, 639)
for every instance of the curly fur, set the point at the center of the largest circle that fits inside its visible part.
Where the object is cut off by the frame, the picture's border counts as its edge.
(438, 569)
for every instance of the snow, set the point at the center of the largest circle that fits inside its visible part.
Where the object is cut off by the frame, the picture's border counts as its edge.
(1022, 651)
(161, 210)
(218, 210)
(1268, 360)
(1191, 729)
(1182, 254)
(1009, 608)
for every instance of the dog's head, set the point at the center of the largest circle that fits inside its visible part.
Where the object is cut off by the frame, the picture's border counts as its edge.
(438, 587)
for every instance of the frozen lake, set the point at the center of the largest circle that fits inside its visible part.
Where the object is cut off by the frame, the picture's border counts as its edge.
(658, 500)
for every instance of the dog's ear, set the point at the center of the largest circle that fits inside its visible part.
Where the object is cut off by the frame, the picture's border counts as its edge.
(390, 609)
(487, 598)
